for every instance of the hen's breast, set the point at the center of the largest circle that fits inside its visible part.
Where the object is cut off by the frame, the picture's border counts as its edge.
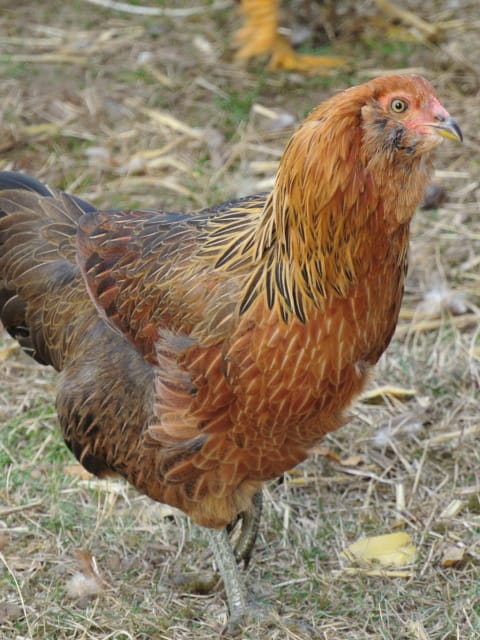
(251, 405)
(274, 388)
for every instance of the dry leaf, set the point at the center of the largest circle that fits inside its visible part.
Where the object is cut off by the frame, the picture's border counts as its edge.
(441, 298)
(77, 471)
(391, 549)
(10, 611)
(80, 586)
(351, 461)
(24, 563)
(453, 509)
(8, 351)
(417, 630)
(453, 556)
(87, 582)
(4, 539)
(87, 562)
(378, 573)
(325, 452)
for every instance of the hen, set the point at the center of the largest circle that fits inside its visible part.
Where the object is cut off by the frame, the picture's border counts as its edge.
(202, 354)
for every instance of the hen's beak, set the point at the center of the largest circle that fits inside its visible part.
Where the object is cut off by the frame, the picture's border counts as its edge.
(447, 128)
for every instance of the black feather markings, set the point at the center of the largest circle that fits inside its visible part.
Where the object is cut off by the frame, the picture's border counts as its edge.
(228, 254)
(237, 249)
(251, 291)
(269, 282)
(292, 299)
(306, 279)
(280, 280)
(298, 307)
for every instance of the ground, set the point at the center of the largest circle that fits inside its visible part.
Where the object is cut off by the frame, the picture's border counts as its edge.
(153, 111)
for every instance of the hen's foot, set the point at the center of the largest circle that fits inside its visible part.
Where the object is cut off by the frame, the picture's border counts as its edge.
(285, 57)
(202, 583)
(254, 615)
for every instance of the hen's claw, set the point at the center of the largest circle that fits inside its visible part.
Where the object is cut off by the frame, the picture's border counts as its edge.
(250, 523)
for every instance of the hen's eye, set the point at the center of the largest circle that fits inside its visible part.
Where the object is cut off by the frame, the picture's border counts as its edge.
(398, 105)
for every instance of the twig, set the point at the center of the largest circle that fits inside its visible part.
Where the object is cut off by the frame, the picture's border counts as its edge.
(446, 437)
(46, 58)
(375, 573)
(19, 591)
(431, 325)
(287, 583)
(125, 7)
(22, 507)
(428, 30)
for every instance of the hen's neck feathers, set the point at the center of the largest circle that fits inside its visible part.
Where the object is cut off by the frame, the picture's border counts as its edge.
(344, 188)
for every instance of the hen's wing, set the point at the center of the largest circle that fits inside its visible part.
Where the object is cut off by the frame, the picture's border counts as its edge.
(159, 279)
(152, 272)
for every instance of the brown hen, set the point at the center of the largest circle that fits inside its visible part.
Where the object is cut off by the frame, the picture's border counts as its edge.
(202, 354)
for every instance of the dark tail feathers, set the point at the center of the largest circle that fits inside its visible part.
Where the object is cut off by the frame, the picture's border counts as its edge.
(39, 275)
(14, 180)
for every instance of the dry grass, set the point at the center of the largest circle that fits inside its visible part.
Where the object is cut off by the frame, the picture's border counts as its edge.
(135, 110)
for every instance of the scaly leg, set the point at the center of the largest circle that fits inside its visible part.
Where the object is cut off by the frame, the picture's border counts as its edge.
(235, 589)
(242, 550)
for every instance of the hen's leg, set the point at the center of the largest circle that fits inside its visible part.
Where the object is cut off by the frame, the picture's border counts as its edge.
(227, 559)
(242, 549)
(236, 592)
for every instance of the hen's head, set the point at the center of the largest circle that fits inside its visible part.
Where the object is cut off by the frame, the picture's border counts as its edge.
(402, 115)
(364, 150)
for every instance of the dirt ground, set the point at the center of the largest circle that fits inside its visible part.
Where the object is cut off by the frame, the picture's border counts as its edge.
(127, 109)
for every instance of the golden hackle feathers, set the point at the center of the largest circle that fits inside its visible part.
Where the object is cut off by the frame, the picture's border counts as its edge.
(339, 179)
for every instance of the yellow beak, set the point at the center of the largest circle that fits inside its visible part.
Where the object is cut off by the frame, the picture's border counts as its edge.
(448, 128)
